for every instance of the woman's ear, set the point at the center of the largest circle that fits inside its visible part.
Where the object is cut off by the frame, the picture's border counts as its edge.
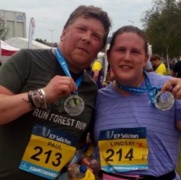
(147, 58)
(108, 55)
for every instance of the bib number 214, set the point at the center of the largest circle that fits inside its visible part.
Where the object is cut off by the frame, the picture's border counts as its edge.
(118, 155)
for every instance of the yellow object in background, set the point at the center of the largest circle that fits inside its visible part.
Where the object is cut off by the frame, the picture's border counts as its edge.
(88, 176)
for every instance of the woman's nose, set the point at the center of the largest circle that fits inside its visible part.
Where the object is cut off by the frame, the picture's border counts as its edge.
(127, 55)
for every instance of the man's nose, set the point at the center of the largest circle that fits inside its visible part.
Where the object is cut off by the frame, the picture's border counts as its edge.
(86, 36)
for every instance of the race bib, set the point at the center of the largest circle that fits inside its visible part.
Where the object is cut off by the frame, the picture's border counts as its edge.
(123, 149)
(48, 151)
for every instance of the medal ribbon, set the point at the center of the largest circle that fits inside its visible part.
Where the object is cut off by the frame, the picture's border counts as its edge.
(152, 91)
(65, 68)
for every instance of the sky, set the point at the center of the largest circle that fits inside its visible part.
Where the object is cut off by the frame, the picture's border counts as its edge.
(51, 15)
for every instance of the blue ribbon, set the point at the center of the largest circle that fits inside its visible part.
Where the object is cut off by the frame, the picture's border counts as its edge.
(152, 91)
(65, 68)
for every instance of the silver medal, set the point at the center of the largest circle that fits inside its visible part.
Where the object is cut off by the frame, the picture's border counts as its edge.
(74, 105)
(164, 101)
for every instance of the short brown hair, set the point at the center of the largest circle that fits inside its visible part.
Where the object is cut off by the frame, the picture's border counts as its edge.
(154, 57)
(93, 12)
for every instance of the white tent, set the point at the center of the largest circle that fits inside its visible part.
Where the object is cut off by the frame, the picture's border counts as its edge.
(6, 50)
(22, 43)
(10, 46)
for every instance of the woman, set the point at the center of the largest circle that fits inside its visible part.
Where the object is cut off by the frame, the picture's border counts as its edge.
(137, 135)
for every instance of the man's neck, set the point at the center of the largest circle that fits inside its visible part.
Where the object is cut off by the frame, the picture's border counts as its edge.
(72, 69)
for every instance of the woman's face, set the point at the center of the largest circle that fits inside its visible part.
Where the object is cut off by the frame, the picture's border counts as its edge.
(127, 58)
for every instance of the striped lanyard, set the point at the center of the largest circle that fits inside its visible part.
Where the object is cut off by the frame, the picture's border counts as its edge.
(152, 91)
(65, 68)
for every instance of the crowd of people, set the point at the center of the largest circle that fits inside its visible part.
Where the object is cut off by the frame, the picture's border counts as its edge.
(49, 103)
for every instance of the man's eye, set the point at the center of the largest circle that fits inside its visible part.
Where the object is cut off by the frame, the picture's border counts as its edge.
(97, 37)
(81, 28)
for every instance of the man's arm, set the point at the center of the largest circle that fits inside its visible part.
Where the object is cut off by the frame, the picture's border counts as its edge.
(96, 75)
(12, 106)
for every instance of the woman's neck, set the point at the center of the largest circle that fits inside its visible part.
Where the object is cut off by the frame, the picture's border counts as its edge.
(121, 91)
(137, 84)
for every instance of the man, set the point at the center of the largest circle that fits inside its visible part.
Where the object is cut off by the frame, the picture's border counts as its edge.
(46, 99)
(176, 72)
(158, 65)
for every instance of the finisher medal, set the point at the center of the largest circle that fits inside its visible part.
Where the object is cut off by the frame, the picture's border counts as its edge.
(164, 101)
(74, 105)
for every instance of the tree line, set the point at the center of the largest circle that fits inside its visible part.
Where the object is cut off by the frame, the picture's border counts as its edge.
(162, 25)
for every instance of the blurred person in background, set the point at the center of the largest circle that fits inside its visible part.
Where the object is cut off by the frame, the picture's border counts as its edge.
(176, 71)
(158, 66)
(97, 71)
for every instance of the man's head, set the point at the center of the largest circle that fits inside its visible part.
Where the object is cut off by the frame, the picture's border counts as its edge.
(83, 36)
(91, 12)
(155, 60)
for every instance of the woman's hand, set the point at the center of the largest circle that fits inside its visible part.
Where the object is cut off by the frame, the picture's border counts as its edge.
(173, 85)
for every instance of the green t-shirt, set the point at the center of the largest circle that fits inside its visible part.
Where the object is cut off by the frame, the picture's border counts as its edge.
(27, 70)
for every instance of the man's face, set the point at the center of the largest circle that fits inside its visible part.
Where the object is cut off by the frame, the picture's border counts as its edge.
(155, 62)
(81, 41)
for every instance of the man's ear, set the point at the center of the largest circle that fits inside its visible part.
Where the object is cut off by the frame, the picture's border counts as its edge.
(62, 35)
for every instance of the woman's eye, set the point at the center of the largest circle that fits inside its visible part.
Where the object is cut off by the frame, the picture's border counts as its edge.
(121, 50)
(135, 52)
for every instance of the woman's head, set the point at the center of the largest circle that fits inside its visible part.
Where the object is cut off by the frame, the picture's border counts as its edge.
(130, 29)
(128, 55)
